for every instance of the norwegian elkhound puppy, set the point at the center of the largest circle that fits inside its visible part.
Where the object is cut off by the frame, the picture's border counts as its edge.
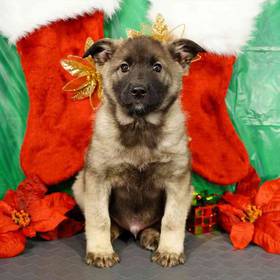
(137, 169)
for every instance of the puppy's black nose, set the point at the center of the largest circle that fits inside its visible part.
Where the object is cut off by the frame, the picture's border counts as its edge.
(138, 91)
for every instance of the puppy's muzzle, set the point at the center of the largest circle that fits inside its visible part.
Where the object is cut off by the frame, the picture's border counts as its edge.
(138, 92)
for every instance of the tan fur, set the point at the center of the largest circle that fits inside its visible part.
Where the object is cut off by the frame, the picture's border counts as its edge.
(105, 169)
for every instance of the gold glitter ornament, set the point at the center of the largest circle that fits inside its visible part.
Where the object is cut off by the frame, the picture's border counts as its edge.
(160, 30)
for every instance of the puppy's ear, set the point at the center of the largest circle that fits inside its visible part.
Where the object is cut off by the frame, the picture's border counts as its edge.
(184, 51)
(101, 51)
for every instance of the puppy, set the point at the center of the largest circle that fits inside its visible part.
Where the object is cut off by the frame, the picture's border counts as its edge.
(137, 169)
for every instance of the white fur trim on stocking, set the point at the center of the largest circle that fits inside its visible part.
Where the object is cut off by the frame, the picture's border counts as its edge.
(20, 17)
(220, 26)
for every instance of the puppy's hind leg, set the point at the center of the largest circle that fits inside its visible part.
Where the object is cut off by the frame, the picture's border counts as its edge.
(116, 231)
(149, 238)
(79, 190)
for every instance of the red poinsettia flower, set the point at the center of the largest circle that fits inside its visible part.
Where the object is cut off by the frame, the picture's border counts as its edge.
(252, 214)
(28, 210)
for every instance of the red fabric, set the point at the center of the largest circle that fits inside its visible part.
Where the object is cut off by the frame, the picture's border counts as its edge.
(58, 128)
(45, 214)
(265, 229)
(249, 185)
(217, 152)
(237, 200)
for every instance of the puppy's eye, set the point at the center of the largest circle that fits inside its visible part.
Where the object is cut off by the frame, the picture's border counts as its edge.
(157, 67)
(124, 67)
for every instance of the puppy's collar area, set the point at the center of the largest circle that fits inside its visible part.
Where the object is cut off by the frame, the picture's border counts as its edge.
(153, 118)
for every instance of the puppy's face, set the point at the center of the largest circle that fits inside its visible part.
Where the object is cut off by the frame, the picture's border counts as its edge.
(142, 75)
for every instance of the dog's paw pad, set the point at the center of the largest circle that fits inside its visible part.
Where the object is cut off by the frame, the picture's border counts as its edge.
(102, 260)
(149, 239)
(166, 259)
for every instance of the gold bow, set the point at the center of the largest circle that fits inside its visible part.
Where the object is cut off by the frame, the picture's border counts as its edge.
(88, 79)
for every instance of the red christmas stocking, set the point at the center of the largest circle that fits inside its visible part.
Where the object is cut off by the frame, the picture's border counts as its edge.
(58, 128)
(217, 152)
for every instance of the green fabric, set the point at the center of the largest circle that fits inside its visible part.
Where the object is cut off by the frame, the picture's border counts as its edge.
(201, 185)
(131, 15)
(13, 114)
(253, 98)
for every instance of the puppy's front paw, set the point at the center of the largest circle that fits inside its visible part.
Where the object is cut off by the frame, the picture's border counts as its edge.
(102, 260)
(166, 259)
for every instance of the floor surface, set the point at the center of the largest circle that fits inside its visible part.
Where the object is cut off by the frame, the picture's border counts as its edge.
(209, 257)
